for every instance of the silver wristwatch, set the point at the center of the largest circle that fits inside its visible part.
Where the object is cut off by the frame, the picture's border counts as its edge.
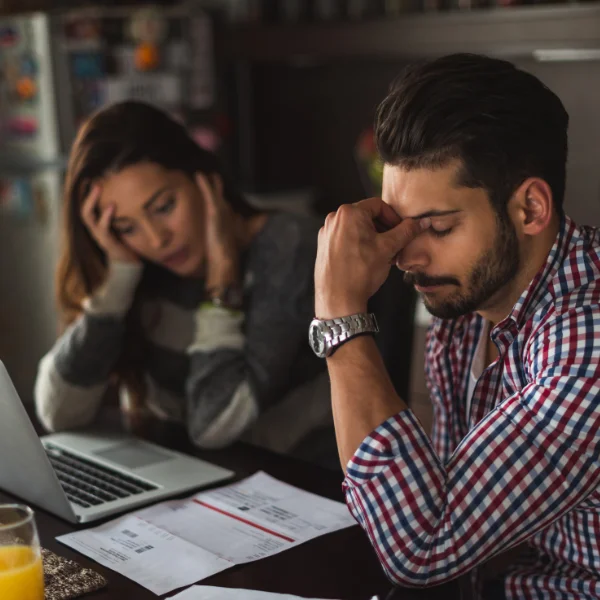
(326, 336)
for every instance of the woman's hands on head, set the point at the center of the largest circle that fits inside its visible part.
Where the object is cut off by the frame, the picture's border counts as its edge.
(99, 224)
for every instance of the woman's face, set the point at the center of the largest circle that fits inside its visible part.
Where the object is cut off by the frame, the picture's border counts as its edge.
(159, 215)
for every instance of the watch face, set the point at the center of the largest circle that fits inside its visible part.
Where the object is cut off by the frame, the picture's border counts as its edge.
(229, 297)
(316, 339)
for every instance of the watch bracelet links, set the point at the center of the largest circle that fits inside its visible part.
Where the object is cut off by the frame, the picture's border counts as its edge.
(343, 329)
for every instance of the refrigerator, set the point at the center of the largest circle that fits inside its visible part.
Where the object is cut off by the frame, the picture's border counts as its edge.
(55, 70)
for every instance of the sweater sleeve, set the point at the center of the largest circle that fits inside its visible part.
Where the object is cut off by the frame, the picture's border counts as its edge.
(242, 363)
(73, 376)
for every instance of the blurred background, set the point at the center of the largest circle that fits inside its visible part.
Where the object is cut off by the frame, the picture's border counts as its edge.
(285, 91)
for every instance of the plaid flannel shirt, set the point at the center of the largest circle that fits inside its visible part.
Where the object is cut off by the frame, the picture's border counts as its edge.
(524, 465)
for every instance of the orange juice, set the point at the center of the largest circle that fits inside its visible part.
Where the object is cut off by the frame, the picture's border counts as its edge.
(21, 574)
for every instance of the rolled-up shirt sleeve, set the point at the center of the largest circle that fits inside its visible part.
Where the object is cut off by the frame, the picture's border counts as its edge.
(525, 464)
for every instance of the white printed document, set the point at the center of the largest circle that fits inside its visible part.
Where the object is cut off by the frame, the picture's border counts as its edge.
(209, 592)
(180, 542)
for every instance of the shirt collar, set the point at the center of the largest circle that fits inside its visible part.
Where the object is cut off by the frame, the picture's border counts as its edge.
(539, 292)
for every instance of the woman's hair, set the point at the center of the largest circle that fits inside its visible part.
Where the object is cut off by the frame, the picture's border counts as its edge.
(112, 139)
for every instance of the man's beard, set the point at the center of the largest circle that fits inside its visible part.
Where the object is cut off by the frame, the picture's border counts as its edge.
(496, 268)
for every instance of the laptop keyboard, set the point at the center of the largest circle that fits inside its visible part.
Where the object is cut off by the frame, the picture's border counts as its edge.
(87, 483)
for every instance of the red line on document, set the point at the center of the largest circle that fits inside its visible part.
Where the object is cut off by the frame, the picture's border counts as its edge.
(228, 514)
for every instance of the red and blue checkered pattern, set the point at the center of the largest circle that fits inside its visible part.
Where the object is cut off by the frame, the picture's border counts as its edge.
(524, 465)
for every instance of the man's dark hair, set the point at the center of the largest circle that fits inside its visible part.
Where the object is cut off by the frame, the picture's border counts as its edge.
(504, 125)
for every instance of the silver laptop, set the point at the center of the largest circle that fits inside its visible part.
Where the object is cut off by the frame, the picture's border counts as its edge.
(84, 477)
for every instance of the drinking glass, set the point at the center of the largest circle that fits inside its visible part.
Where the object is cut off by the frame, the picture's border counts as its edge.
(21, 571)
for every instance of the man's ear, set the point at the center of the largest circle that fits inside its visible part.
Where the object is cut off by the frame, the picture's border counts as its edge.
(531, 208)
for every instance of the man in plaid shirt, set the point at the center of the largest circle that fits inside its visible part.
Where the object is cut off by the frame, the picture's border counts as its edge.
(475, 153)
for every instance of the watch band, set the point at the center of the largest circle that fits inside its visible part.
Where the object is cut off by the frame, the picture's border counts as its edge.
(229, 296)
(341, 329)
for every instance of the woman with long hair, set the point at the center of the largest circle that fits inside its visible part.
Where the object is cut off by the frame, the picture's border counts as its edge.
(172, 287)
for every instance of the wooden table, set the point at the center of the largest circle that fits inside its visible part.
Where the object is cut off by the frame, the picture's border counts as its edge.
(340, 565)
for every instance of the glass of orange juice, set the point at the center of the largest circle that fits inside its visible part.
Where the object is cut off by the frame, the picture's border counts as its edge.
(21, 571)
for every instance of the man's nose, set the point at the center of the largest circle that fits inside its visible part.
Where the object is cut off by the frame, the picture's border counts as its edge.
(413, 257)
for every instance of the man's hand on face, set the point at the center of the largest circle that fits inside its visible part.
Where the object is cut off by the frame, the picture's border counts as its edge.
(357, 247)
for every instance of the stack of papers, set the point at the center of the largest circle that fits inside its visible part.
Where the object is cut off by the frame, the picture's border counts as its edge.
(177, 543)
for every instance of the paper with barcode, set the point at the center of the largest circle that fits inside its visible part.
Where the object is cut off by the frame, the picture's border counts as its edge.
(180, 542)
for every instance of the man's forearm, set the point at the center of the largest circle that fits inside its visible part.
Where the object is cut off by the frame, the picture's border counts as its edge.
(362, 394)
